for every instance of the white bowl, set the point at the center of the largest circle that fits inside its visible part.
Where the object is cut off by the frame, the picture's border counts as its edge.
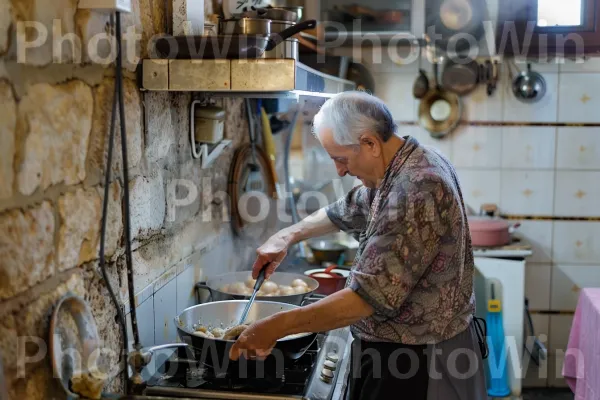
(344, 272)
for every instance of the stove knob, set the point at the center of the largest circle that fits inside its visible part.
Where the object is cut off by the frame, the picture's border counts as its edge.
(326, 375)
(328, 364)
(333, 357)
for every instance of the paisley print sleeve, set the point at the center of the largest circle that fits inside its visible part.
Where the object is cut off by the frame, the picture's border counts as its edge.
(404, 243)
(350, 213)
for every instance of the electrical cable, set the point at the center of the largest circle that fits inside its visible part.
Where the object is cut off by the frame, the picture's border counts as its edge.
(127, 225)
(118, 97)
(120, 315)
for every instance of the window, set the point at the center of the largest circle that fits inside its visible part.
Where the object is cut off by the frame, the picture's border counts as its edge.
(559, 13)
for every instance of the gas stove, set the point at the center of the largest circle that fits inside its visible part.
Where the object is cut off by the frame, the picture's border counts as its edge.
(314, 376)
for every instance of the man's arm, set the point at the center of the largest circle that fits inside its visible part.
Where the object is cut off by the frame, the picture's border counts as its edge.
(275, 249)
(315, 225)
(349, 214)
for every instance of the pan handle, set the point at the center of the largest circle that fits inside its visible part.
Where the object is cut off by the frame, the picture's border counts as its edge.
(203, 286)
(277, 38)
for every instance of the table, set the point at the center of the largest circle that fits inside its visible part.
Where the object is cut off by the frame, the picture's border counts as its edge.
(581, 367)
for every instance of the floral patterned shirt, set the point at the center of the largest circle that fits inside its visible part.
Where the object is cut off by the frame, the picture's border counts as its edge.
(414, 263)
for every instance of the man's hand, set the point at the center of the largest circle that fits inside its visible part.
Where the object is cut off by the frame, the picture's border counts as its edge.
(257, 341)
(272, 252)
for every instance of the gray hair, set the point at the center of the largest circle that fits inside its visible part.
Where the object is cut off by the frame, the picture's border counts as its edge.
(352, 114)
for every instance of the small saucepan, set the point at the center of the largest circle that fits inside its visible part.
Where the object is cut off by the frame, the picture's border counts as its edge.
(330, 279)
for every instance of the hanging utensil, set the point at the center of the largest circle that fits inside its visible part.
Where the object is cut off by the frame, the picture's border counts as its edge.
(421, 85)
(73, 328)
(529, 86)
(253, 181)
(440, 110)
(460, 78)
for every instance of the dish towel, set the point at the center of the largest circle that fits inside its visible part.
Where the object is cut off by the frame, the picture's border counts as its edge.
(581, 367)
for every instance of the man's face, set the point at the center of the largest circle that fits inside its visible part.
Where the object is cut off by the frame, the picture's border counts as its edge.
(354, 160)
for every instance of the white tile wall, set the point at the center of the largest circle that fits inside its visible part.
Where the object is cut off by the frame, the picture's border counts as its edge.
(555, 365)
(541, 327)
(579, 98)
(400, 60)
(537, 286)
(545, 110)
(591, 64)
(542, 66)
(477, 147)
(577, 193)
(444, 145)
(186, 295)
(576, 242)
(567, 282)
(396, 91)
(528, 147)
(578, 148)
(479, 187)
(539, 235)
(145, 320)
(478, 106)
(527, 192)
(165, 310)
(560, 327)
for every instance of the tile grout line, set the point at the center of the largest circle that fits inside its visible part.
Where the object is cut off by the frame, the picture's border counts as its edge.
(554, 195)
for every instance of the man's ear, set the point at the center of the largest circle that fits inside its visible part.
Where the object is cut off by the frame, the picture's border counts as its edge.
(372, 143)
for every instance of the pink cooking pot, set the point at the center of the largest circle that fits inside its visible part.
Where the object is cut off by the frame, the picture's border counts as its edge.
(490, 232)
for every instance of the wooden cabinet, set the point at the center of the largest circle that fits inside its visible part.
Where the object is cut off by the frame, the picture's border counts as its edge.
(539, 28)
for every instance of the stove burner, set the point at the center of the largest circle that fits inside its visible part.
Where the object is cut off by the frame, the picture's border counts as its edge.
(183, 372)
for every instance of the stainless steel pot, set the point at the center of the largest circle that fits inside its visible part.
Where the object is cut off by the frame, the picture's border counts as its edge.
(278, 26)
(290, 48)
(279, 14)
(245, 26)
(226, 314)
(213, 286)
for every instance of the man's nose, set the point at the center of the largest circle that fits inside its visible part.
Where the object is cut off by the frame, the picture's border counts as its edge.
(341, 170)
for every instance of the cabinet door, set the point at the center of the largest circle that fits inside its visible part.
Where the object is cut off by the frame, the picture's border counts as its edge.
(539, 28)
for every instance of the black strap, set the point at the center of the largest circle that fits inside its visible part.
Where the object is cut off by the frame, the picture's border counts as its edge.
(481, 336)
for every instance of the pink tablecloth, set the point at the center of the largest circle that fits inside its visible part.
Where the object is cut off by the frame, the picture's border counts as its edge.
(581, 367)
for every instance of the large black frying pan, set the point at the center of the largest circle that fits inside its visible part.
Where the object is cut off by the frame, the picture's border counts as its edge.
(226, 314)
(224, 46)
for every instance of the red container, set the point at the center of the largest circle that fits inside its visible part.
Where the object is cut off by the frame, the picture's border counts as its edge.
(329, 282)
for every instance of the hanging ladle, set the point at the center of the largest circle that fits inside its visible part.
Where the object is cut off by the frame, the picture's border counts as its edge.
(421, 85)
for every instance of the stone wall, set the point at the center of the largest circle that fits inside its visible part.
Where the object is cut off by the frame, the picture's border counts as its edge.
(54, 123)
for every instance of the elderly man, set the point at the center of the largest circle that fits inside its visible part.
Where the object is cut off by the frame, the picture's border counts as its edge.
(410, 296)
